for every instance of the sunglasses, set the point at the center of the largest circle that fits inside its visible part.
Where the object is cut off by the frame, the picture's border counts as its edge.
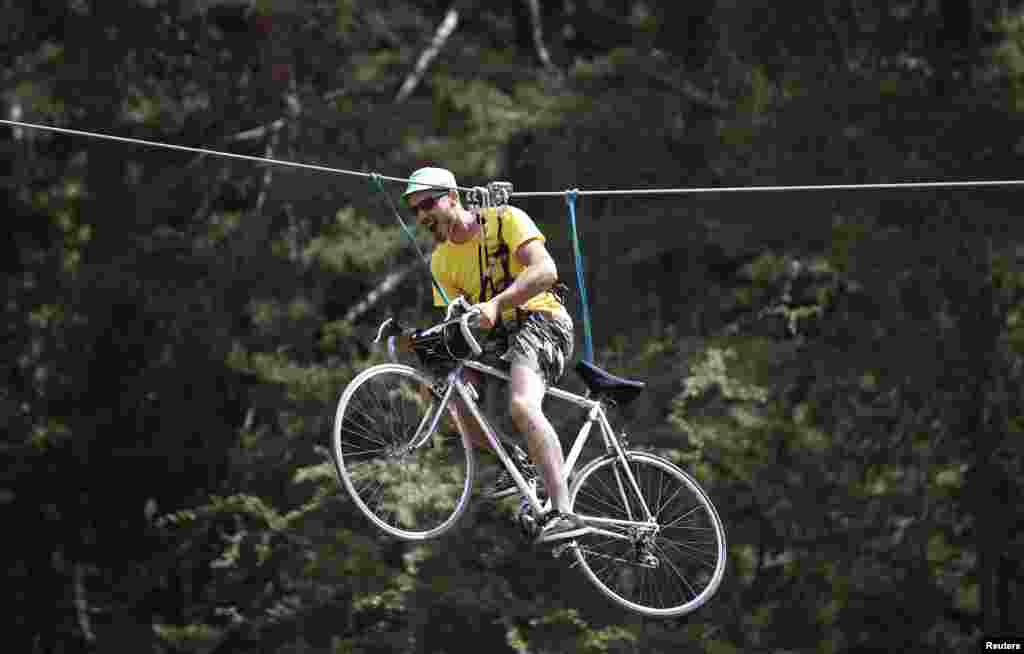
(428, 203)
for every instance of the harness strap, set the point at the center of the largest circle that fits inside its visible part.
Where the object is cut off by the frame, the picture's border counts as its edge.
(484, 261)
(488, 288)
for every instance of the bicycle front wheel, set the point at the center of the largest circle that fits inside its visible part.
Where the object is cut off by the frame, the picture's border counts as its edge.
(662, 569)
(411, 482)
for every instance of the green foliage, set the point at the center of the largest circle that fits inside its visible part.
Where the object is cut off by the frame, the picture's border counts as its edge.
(354, 244)
(563, 629)
(714, 371)
(485, 117)
(1008, 55)
(189, 638)
(240, 504)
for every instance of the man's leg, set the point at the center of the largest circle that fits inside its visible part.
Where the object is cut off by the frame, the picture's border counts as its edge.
(464, 420)
(526, 393)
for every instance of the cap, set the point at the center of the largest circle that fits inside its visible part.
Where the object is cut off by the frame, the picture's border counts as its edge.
(428, 178)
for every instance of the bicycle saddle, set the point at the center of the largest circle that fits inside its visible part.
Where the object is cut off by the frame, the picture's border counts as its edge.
(604, 384)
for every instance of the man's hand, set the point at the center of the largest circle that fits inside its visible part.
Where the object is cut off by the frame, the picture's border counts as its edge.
(489, 312)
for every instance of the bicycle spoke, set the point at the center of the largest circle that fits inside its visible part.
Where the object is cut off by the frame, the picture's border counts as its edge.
(372, 432)
(665, 505)
(353, 450)
(616, 508)
(658, 506)
(688, 550)
(680, 575)
(369, 430)
(684, 516)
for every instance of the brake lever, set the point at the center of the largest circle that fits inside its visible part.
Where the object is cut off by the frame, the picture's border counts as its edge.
(390, 329)
(467, 334)
(383, 327)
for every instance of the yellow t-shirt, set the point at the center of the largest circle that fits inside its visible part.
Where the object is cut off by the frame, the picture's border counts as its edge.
(456, 266)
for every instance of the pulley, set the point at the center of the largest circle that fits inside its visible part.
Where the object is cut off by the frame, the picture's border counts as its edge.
(495, 194)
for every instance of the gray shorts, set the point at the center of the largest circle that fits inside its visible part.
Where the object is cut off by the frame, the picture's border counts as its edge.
(542, 342)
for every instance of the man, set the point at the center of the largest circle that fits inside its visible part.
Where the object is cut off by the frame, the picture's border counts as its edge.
(497, 257)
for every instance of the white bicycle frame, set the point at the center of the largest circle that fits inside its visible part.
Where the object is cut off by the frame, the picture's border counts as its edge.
(633, 523)
(596, 414)
(643, 524)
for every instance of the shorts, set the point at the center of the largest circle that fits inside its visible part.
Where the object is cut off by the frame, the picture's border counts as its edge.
(543, 342)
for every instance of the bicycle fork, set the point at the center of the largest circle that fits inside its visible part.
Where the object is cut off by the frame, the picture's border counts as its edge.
(423, 435)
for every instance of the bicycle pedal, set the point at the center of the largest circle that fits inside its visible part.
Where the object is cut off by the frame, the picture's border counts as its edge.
(528, 526)
(645, 558)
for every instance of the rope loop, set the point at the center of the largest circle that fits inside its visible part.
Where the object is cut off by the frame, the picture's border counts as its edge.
(376, 182)
(588, 341)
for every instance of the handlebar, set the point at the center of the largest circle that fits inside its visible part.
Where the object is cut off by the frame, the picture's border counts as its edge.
(459, 311)
(468, 313)
(460, 305)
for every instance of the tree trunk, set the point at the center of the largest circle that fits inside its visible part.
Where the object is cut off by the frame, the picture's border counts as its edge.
(537, 25)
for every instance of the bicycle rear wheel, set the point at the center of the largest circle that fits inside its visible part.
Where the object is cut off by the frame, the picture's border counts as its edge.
(665, 571)
(410, 484)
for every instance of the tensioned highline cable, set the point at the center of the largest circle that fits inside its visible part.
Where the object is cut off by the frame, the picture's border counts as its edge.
(185, 148)
(805, 187)
(538, 194)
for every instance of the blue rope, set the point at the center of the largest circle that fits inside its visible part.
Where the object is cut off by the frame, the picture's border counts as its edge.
(588, 344)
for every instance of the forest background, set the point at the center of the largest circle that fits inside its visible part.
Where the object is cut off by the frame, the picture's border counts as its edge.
(843, 370)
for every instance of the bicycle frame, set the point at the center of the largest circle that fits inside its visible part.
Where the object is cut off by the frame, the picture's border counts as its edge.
(643, 524)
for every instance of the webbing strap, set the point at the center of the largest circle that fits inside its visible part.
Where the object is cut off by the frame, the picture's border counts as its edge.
(375, 180)
(588, 345)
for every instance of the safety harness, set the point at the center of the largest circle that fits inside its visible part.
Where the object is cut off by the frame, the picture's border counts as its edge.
(488, 285)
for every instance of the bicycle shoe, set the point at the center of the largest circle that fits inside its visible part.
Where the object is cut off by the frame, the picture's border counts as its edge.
(555, 525)
(504, 485)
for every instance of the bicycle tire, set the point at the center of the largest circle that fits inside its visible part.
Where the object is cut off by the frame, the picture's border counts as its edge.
(690, 544)
(412, 494)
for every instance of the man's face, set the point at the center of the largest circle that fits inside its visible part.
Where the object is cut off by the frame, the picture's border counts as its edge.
(434, 210)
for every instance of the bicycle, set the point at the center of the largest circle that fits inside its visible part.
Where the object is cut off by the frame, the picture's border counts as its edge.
(655, 544)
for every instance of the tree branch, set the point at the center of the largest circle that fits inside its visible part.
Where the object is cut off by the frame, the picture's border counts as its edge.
(82, 604)
(444, 30)
(538, 35)
(387, 285)
(268, 173)
(257, 132)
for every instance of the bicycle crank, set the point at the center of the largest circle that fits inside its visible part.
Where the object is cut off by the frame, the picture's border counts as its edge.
(558, 550)
(526, 520)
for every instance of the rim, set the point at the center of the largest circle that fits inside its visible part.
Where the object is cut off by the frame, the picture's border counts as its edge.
(412, 493)
(665, 572)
